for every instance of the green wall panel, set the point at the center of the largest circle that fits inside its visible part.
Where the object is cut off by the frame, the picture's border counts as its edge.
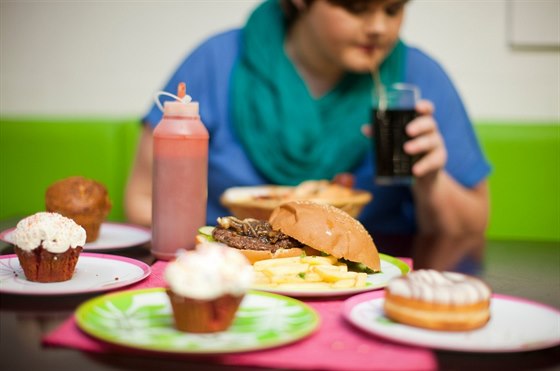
(525, 182)
(34, 153)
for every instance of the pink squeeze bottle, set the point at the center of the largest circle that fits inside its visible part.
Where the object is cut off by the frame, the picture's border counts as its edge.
(180, 168)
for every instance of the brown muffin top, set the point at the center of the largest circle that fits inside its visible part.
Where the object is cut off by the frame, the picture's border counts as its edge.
(78, 195)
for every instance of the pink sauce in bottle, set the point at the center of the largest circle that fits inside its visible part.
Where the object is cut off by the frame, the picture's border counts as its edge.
(180, 168)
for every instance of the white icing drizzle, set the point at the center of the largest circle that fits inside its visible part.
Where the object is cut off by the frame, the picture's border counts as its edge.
(439, 287)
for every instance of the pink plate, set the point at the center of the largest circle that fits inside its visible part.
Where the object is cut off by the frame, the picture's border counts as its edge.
(538, 328)
(94, 273)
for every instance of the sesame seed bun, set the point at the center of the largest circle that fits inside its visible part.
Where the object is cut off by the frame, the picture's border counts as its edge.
(328, 229)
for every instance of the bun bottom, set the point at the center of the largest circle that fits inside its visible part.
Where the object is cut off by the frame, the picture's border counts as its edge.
(257, 255)
(436, 316)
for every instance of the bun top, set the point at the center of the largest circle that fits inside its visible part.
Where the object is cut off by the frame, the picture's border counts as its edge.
(327, 229)
(77, 195)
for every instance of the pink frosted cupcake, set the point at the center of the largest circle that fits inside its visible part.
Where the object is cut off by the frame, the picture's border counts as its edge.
(48, 246)
(206, 287)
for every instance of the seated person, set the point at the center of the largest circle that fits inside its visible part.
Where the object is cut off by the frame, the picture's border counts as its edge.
(285, 99)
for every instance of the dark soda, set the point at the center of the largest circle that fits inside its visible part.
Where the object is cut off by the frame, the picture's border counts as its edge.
(394, 166)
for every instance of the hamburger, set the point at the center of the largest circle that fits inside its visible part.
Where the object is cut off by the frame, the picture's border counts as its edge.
(301, 228)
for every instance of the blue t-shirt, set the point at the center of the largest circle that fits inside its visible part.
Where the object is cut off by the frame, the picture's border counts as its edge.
(207, 72)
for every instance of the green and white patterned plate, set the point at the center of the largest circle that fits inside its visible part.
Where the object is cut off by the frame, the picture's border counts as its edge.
(142, 319)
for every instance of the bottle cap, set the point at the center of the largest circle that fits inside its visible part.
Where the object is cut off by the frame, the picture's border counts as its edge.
(181, 106)
(180, 109)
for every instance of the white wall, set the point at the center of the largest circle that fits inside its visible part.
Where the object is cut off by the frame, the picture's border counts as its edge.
(107, 58)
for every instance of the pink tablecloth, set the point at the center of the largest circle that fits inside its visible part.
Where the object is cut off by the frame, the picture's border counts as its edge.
(337, 345)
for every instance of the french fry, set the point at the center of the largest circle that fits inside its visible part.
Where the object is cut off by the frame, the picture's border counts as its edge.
(361, 279)
(288, 278)
(282, 270)
(260, 278)
(319, 260)
(261, 264)
(333, 275)
(344, 283)
(312, 277)
(332, 268)
(342, 266)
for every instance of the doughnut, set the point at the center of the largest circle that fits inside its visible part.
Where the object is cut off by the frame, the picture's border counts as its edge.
(431, 299)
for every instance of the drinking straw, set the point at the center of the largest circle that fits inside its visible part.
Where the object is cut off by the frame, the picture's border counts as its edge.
(380, 90)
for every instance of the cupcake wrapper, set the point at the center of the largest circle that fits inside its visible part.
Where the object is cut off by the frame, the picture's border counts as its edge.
(40, 265)
(203, 316)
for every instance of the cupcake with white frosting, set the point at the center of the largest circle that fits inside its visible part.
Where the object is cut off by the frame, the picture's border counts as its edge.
(438, 300)
(48, 246)
(206, 287)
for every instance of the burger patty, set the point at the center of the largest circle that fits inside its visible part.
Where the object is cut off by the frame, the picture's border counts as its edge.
(254, 235)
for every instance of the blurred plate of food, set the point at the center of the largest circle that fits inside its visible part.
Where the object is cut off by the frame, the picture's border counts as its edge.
(111, 236)
(259, 201)
(307, 249)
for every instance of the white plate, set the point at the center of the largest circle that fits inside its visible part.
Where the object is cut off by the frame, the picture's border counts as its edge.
(111, 236)
(390, 267)
(94, 272)
(516, 325)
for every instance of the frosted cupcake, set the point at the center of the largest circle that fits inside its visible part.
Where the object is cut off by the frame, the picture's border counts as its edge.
(48, 246)
(206, 287)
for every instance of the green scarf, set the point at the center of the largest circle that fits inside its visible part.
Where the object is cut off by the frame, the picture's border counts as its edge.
(288, 134)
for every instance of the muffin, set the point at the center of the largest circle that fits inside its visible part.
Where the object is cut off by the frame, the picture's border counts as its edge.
(446, 301)
(48, 246)
(85, 201)
(206, 287)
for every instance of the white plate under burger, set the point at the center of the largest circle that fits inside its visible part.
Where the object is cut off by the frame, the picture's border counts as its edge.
(390, 268)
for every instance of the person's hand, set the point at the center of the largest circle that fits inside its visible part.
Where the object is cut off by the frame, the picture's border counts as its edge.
(426, 141)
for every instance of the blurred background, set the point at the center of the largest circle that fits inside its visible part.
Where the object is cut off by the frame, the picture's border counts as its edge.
(109, 57)
(78, 74)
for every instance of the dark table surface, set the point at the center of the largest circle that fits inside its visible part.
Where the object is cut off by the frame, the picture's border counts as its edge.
(526, 269)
